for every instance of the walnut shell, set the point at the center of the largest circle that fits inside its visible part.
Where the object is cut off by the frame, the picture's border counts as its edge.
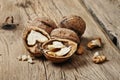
(75, 23)
(33, 38)
(58, 59)
(44, 23)
(65, 33)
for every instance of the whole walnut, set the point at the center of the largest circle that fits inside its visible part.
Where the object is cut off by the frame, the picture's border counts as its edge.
(65, 33)
(75, 23)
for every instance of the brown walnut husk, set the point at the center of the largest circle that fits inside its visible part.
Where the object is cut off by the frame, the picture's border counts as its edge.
(58, 59)
(65, 33)
(35, 49)
(75, 23)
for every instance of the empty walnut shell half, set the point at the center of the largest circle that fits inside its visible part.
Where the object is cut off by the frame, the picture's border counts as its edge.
(44, 23)
(33, 38)
(59, 50)
(65, 33)
(75, 23)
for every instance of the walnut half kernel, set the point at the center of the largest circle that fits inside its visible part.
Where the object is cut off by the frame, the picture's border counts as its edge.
(59, 53)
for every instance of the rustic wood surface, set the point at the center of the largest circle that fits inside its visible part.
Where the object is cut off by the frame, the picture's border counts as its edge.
(107, 14)
(77, 68)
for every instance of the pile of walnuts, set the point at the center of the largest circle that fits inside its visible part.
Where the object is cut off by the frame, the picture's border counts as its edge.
(56, 42)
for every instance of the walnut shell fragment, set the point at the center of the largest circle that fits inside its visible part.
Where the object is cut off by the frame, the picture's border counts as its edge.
(33, 38)
(65, 33)
(44, 23)
(61, 53)
(75, 23)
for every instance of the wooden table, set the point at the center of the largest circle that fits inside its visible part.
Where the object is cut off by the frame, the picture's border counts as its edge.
(104, 14)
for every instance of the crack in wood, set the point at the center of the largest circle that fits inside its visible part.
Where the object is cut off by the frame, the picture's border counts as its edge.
(45, 70)
(112, 37)
(63, 75)
(33, 8)
(26, 4)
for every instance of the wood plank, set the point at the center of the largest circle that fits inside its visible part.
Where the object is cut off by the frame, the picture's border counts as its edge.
(77, 68)
(107, 14)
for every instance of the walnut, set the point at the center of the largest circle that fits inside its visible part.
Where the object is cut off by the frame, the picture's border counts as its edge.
(33, 38)
(59, 53)
(94, 43)
(27, 58)
(30, 60)
(44, 23)
(19, 58)
(80, 50)
(75, 23)
(98, 58)
(22, 58)
(65, 33)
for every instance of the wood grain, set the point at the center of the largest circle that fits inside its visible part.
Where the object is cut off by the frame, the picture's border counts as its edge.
(77, 68)
(107, 14)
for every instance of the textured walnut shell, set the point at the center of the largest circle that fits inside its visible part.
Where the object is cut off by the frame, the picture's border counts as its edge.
(44, 23)
(75, 23)
(34, 49)
(58, 59)
(65, 33)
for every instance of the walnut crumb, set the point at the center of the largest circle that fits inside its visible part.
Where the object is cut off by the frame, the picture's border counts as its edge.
(98, 58)
(80, 50)
(27, 58)
(94, 43)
